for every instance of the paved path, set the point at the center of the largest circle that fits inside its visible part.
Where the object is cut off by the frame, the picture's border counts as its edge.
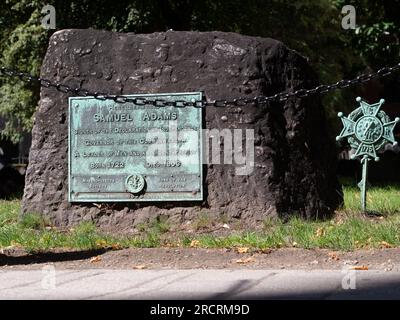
(50, 283)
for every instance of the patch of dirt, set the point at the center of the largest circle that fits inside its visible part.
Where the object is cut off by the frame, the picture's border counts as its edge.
(197, 258)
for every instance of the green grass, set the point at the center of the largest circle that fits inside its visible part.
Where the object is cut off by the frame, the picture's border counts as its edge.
(33, 233)
(348, 230)
(349, 234)
(385, 200)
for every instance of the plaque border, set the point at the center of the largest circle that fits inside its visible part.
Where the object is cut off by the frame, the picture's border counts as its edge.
(199, 198)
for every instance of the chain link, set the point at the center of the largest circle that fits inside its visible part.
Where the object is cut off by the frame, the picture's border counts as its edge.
(220, 103)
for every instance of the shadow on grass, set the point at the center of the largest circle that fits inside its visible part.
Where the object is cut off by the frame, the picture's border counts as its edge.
(45, 257)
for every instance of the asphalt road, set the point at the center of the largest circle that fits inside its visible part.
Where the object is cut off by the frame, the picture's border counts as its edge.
(50, 283)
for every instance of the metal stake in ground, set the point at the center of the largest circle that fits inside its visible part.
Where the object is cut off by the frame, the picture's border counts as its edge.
(363, 183)
(367, 129)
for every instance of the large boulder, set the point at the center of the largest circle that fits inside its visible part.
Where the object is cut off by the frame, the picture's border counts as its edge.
(295, 160)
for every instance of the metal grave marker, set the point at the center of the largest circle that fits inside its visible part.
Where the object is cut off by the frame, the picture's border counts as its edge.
(134, 152)
(367, 130)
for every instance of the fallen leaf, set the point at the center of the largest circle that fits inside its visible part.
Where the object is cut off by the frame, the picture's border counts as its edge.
(194, 243)
(15, 244)
(385, 244)
(116, 246)
(226, 226)
(244, 261)
(359, 268)
(95, 259)
(339, 222)
(265, 251)
(242, 249)
(140, 267)
(333, 256)
(350, 262)
(319, 232)
(101, 243)
(168, 245)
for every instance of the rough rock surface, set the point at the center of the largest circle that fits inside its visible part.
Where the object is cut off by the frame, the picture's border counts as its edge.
(295, 161)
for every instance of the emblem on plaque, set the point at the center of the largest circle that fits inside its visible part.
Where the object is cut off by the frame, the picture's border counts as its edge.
(367, 130)
(135, 183)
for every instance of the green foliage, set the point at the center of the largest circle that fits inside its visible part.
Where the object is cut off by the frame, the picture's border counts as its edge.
(33, 221)
(22, 45)
(158, 226)
(23, 41)
(161, 225)
(352, 233)
(385, 200)
(85, 235)
(203, 221)
(377, 36)
(8, 212)
(349, 230)
(378, 42)
(312, 27)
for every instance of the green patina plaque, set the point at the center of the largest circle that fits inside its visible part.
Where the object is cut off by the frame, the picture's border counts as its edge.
(129, 152)
(367, 129)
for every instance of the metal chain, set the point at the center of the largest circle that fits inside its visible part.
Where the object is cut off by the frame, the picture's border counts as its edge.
(281, 97)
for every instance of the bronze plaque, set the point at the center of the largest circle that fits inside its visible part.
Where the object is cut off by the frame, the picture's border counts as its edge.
(128, 152)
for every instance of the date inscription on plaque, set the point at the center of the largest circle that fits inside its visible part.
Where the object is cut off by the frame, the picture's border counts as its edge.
(134, 152)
